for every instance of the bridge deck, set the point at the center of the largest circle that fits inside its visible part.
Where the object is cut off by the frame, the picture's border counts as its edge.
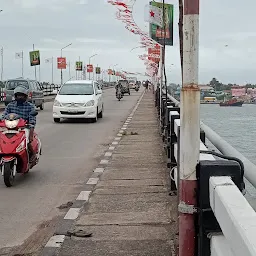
(130, 211)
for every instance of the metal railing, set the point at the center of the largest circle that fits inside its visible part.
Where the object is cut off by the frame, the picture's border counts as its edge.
(50, 89)
(225, 219)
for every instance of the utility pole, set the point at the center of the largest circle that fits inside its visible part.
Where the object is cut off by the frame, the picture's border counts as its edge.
(189, 129)
(2, 63)
(22, 64)
(69, 71)
(35, 66)
(52, 70)
(61, 72)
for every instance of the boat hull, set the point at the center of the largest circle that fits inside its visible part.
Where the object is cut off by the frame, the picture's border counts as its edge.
(234, 104)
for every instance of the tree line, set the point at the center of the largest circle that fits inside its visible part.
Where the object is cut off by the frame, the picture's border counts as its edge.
(218, 86)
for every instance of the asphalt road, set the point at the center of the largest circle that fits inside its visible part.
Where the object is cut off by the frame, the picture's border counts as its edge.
(28, 211)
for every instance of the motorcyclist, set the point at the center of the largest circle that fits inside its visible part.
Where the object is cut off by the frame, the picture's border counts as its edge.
(24, 109)
(119, 86)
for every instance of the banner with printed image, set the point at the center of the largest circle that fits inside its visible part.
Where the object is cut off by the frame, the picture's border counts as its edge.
(79, 65)
(156, 32)
(34, 58)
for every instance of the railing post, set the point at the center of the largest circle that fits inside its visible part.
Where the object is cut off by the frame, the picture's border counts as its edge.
(189, 130)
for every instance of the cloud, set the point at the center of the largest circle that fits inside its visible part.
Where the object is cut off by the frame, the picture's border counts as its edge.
(91, 27)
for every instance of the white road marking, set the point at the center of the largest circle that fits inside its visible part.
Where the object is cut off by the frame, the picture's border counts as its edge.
(84, 195)
(108, 154)
(124, 128)
(104, 161)
(119, 134)
(115, 143)
(72, 214)
(111, 148)
(100, 170)
(55, 241)
(92, 181)
(117, 138)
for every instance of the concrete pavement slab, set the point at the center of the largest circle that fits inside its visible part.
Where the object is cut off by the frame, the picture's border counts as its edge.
(158, 216)
(130, 190)
(121, 174)
(131, 183)
(118, 248)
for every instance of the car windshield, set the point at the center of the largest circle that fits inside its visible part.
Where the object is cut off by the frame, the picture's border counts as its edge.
(132, 81)
(12, 84)
(76, 89)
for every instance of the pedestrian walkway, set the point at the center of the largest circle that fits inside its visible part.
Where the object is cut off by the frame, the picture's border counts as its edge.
(130, 212)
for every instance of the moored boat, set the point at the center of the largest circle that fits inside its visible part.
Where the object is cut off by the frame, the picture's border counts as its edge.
(232, 103)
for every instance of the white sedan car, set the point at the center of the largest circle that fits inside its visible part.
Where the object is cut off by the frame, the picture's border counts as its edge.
(78, 99)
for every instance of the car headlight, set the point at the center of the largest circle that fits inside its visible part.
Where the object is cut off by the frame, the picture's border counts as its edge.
(57, 103)
(89, 103)
(11, 124)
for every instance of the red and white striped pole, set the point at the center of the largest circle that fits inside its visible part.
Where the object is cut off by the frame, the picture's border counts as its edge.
(189, 129)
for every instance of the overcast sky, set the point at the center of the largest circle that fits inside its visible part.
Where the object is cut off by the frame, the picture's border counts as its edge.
(91, 27)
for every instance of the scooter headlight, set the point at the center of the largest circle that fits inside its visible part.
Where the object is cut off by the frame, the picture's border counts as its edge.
(11, 124)
(21, 146)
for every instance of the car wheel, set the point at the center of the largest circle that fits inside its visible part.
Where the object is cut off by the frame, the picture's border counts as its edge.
(95, 119)
(41, 106)
(56, 120)
(101, 113)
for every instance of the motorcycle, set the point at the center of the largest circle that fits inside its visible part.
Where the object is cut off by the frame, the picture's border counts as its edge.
(119, 95)
(137, 87)
(14, 153)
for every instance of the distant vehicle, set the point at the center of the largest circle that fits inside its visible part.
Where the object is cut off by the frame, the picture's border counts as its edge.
(132, 84)
(79, 99)
(2, 84)
(36, 93)
(126, 86)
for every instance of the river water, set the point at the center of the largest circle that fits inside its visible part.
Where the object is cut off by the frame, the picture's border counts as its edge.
(237, 125)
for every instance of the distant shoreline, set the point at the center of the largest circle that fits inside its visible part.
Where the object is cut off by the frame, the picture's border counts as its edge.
(218, 102)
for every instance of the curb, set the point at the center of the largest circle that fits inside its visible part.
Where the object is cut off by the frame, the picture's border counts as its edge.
(54, 244)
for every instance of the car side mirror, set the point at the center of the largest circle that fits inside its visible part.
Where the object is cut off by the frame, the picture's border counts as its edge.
(99, 92)
(34, 113)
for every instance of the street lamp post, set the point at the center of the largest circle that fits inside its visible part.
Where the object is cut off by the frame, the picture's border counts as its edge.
(137, 48)
(114, 68)
(90, 63)
(61, 74)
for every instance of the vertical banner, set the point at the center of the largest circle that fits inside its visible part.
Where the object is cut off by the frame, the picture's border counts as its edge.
(79, 65)
(98, 71)
(156, 32)
(154, 53)
(89, 68)
(109, 71)
(34, 58)
(61, 63)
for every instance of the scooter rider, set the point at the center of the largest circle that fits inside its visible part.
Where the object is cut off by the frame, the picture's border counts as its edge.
(119, 85)
(24, 109)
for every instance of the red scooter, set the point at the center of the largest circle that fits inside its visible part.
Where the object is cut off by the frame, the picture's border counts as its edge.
(14, 153)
